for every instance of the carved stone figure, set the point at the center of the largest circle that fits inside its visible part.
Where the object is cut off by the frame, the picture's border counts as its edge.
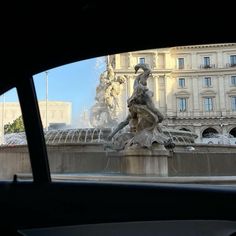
(104, 112)
(143, 119)
(111, 95)
(100, 90)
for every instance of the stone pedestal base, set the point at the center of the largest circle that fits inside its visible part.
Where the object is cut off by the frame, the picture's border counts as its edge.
(144, 161)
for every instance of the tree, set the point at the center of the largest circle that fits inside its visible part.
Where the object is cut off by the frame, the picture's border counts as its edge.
(15, 127)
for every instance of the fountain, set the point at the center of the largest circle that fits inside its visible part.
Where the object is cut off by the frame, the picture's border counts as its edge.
(144, 120)
(144, 147)
(91, 135)
(15, 139)
(104, 111)
(139, 145)
(213, 138)
(103, 117)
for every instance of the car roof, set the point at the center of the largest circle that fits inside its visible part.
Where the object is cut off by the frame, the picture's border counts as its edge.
(42, 36)
(37, 37)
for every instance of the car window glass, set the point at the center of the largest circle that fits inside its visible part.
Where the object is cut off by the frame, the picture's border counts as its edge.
(141, 116)
(14, 155)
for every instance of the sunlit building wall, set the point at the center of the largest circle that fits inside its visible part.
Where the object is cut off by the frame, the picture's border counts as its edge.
(194, 86)
(57, 113)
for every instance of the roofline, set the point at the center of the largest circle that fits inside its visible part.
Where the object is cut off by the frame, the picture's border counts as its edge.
(205, 46)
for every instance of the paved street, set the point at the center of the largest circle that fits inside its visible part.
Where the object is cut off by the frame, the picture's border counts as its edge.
(186, 180)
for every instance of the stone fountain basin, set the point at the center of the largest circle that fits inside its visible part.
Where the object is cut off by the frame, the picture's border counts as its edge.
(93, 135)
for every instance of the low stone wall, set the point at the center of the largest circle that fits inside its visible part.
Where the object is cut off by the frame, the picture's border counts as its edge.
(13, 160)
(204, 160)
(81, 158)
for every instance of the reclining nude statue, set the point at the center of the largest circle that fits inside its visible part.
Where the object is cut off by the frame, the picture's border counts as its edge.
(143, 118)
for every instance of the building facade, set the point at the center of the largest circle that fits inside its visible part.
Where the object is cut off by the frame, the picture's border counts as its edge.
(52, 113)
(194, 86)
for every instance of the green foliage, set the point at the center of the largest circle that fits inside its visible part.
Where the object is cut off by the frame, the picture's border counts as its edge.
(15, 127)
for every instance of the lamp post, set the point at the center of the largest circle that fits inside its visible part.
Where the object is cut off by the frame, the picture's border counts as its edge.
(46, 112)
(3, 113)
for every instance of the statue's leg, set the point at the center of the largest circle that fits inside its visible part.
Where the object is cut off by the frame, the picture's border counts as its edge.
(119, 127)
(151, 106)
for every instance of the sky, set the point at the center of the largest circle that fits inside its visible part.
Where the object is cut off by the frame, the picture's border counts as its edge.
(75, 82)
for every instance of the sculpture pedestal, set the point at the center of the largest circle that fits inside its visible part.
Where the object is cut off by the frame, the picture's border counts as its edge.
(145, 161)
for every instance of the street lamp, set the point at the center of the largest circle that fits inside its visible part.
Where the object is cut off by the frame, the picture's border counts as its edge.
(3, 113)
(46, 112)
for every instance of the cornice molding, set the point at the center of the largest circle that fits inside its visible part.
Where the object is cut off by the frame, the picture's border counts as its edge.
(182, 94)
(208, 93)
(231, 92)
(220, 45)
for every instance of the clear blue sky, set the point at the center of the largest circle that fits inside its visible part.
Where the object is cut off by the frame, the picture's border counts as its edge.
(75, 82)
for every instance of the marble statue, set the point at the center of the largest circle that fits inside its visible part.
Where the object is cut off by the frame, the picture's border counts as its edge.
(143, 119)
(104, 113)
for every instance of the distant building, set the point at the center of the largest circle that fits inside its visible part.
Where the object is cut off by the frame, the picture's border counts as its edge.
(194, 86)
(58, 113)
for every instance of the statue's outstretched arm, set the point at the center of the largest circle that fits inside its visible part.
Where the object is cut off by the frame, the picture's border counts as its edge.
(119, 127)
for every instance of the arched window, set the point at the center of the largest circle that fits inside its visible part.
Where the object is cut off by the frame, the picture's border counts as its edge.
(209, 132)
(233, 132)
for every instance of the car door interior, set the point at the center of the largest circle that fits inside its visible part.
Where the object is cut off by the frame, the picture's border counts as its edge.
(43, 207)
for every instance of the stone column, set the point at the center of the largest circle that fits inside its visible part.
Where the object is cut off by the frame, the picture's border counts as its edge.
(155, 60)
(162, 94)
(221, 94)
(197, 131)
(156, 91)
(117, 60)
(224, 129)
(169, 95)
(130, 60)
(219, 61)
(167, 60)
(196, 100)
(194, 61)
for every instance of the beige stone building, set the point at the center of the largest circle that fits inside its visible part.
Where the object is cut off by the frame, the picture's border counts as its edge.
(194, 86)
(57, 113)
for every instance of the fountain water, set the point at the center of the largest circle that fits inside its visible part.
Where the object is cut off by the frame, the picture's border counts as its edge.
(89, 135)
(15, 139)
(226, 139)
(107, 103)
(87, 154)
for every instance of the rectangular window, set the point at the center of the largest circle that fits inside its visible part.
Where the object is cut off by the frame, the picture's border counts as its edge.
(142, 60)
(180, 63)
(182, 104)
(182, 82)
(208, 104)
(233, 103)
(207, 82)
(233, 80)
(233, 60)
(206, 61)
